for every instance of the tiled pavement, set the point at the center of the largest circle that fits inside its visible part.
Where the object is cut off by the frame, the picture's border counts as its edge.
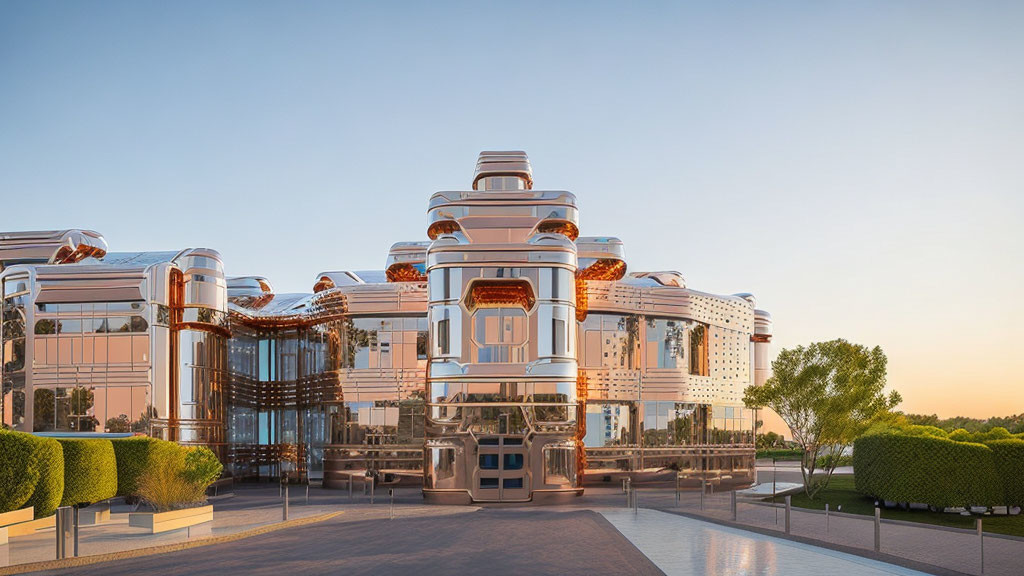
(683, 546)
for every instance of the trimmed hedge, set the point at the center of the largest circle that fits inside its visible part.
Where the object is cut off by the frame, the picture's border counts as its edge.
(90, 470)
(916, 464)
(1009, 459)
(49, 460)
(134, 456)
(18, 471)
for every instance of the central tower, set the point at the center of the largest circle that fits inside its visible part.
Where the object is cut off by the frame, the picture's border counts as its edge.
(501, 380)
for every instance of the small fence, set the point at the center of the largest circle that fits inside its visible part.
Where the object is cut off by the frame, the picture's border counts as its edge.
(968, 551)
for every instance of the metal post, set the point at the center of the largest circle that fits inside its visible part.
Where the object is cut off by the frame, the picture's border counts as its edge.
(373, 485)
(677, 489)
(733, 505)
(878, 529)
(349, 487)
(788, 508)
(63, 527)
(76, 531)
(981, 542)
(703, 488)
(391, 494)
(773, 492)
(285, 508)
(826, 518)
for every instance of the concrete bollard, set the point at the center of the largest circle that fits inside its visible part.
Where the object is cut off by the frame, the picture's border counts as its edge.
(733, 502)
(878, 529)
(826, 518)
(981, 543)
(703, 488)
(789, 507)
(75, 528)
(63, 531)
(284, 509)
(391, 495)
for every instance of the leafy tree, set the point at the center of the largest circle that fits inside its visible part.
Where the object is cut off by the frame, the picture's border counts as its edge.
(828, 393)
(119, 424)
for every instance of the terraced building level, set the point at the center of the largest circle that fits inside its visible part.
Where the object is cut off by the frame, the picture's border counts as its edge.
(505, 359)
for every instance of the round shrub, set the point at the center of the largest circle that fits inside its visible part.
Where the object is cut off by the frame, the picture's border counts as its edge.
(202, 467)
(18, 471)
(925, 468)
(49, 460)
(90, 470)
(1009, 460)
(134, 456)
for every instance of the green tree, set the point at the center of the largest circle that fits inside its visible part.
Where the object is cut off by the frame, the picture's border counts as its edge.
(828, 393)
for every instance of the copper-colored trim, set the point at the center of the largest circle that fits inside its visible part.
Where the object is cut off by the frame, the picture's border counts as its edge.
(442, 227)
(404, 272)
(176, 299)
(582, 302)
(604, 269)
(567, 229)
(760, 337)
(500, 293)
(581, 425)
(324, 283)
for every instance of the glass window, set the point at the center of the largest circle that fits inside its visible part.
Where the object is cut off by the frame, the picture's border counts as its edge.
(499, 334)
(488, 482)
(512, 462)
(666, 343)
(69, 326)
(559, 465)
(699, 350)
(512, 483)
(608, 425)
(46, 326)
(610, 341)
(488, 461)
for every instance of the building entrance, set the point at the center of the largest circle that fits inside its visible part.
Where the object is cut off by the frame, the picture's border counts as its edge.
(502, 471)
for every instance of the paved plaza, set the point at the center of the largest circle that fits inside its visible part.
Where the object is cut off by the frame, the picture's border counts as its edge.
(596, 534)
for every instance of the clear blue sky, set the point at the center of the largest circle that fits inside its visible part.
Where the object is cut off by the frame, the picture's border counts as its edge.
(858, 166)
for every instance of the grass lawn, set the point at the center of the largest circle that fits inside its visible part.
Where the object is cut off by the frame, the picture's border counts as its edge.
(840, 491)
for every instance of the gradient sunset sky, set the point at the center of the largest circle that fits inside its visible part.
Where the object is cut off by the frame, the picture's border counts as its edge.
(857, 166)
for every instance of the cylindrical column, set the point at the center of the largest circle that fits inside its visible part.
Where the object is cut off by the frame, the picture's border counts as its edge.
(284, 509)
(63, 529)
(703, 488)
(733, 505)
(789, 506)
(981, 543)
(76, 531)
(878, 529)
(826, 518)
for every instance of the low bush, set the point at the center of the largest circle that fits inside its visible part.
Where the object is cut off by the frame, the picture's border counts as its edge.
(49, 460)
(781, 454)
(90, 470)
(18, 471)
(134, 456)
(909, 466)
(179, 478)
(202, 467)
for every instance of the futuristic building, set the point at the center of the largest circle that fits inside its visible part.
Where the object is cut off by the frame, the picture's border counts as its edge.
(506, 359)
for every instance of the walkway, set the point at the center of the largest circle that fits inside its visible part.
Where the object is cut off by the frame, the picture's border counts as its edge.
(683, 546)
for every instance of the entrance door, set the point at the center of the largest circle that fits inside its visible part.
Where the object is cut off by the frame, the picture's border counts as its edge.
(501, 474)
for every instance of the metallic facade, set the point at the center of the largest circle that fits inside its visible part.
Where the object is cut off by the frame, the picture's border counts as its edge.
(505, 359)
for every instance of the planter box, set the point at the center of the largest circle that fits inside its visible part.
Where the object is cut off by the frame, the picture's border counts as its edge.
(11, 518)
(95, 514)
(30, 527)
(157, 522)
